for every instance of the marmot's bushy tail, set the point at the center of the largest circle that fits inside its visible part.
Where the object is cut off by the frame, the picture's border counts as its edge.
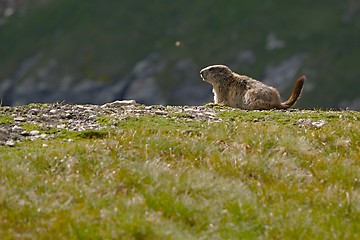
(295, 94)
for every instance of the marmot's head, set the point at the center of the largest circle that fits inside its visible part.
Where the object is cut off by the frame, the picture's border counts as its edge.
(216, 74)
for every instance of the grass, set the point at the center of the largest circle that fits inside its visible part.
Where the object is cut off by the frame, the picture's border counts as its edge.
(123, 33)
(254, 175)
(6, 119)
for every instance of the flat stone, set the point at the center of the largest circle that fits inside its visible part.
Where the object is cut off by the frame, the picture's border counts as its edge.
(10, 143)
(34, 133)
(16, 128)
(20, 119)
(120, 103)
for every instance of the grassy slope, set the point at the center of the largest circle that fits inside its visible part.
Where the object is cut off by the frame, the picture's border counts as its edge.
(253, 175)
(106, 40)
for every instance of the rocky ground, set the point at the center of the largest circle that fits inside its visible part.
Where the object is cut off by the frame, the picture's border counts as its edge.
(45, 121)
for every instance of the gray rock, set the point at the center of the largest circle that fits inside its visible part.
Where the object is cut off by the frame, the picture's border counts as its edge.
(245, 58)
(120, 103)
(350, 104)
(143, 87)
(191, 90)
(34, 133)
(310, 123)
(20, 119)
(10, 143)
(4, 135)
(353, 8)
(273, 42)
(145, 90)
(282, 75)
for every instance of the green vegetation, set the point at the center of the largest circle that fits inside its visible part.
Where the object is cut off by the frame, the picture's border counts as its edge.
(253, 175)
(30, 126)
(104, 120)
(6, 119)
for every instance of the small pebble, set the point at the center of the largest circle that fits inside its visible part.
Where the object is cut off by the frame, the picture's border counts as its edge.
(10, 143)
(19, 119)
(34, 133)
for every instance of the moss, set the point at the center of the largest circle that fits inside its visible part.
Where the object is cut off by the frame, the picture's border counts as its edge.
(180, 115)
(87, 134)
(4, 119)
(105, 120)
(31, 126)
(92, 134)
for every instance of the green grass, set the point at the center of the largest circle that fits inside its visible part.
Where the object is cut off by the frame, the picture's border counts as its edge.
(254, 175)
(123, 33)
(6, 119)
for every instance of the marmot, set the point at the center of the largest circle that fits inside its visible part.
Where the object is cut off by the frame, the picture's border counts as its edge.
(240, 91)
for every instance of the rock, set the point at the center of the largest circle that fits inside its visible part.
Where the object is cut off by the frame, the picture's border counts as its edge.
(34, 133)
(273, 42)
(24, 133)
(149, 66)
(143, 87)
(353, 8)
(310, 123)
(192, 89)
(244, 58)
(119, 103)
(6, 88)
(4, 135)
(16, 128)
(10, 143)
(350, 104)
(20, 119)
(61, 126)
(282, 75)
(145, 91)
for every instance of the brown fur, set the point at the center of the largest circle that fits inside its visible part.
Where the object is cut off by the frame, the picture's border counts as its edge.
(240, 91)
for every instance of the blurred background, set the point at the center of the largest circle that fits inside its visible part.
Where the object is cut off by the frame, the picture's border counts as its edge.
(152, 50)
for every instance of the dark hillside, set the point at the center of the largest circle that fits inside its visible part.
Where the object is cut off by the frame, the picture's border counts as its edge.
(152, 51)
